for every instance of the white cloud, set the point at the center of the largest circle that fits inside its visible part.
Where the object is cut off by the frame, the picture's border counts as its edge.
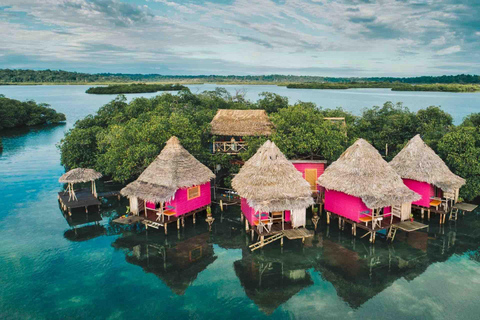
(449, 50)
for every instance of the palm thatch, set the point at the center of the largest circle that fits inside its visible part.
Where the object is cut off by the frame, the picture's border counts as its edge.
(174, 168)
(362, 172)
(80, 175)
(241, 123)
(270, 182)
(417, 161)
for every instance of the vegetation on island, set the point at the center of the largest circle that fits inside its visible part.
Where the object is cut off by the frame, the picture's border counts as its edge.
(19, 76)
(134, 88)
(395, 86)
(122, 138)
(15, 113)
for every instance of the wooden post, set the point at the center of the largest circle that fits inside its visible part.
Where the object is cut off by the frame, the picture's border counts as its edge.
(429, 214)
(328, 217)
(221, 204)
(194, 218)
(281, 241)
(246, 225)
(165, 227)
(423, 215)
(178, 223)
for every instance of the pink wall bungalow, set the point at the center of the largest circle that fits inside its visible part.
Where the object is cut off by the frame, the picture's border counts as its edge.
(362, 187)
(424, 172)
(172, 186)
(311, 170)
(274, 194)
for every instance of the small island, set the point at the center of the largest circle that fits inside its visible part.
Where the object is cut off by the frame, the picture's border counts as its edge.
(394, 86)
(134, 88)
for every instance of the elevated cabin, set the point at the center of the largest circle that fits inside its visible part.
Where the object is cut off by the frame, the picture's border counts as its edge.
(173, 186)
(79, 198)
(229, 127)
(362, 188)
(311, 170)
(424, 172)
(273, 193)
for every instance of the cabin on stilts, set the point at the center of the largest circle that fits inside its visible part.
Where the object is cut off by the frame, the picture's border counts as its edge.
(173, 186)
(424, 172)
(229, 127)
(362, 189)
(311, 170)
(80, 198)
(274, 196)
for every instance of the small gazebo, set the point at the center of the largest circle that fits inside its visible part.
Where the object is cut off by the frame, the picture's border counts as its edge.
(272, 190)
(79, 175)
(424, 172)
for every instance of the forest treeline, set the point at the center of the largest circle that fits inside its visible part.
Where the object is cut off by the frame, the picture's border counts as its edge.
(14, 76)
(134, 88)
(395, 86)
(122, 138)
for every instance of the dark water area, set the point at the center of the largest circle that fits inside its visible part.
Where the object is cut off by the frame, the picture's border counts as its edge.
(54, 266)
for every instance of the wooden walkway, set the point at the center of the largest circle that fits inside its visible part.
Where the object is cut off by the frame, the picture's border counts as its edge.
(150, 219)
(299, 233)
(85, 199)
(465, 206)
(290, 234)
(410, 226)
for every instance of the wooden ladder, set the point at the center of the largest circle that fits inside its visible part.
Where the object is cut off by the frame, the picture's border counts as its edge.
(391, 233)
(453, 214)
(153, 224)
(266, 241)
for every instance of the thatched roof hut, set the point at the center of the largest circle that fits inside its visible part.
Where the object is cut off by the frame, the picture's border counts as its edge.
(79, 175)
(270, 182)
(362, 172)
(174, 168)
(417, 161)
(241, 123)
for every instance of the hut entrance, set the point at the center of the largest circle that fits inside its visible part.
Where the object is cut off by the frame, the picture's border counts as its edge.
(311, 177)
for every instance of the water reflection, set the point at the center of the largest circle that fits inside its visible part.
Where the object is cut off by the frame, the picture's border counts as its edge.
(357, 270)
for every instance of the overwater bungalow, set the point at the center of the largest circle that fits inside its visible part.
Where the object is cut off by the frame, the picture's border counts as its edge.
(311, 170)
(80, 198)
(424, 172)
(229, 127)
(273, 194)
(362, 189)
(173, 186)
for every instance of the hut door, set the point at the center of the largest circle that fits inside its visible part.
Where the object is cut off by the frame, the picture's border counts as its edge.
(134, 205)
(298, 218)
(311, 177)
(406, 211)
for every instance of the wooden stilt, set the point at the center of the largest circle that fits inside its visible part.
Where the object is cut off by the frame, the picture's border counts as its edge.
(251, 234)
(423, 214)
(328, 217)
(428, 214)
(165, 227)
(221, 204)
(281, 242)
(246, 225)
(194, 220)
(178, 224)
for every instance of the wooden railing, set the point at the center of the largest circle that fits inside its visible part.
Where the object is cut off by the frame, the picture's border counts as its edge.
(229, 147)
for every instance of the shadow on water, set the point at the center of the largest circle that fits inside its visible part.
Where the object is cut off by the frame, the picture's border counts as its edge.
(270, 277)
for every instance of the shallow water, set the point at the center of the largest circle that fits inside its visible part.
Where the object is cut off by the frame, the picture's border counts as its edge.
(86, 267)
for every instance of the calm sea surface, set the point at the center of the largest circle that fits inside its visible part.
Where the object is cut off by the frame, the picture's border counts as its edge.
(85, 267)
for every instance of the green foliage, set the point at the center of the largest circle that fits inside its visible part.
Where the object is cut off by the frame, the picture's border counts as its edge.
(472, 120)
(395, 86)
(135, 88)
(272, 102)
(14, 113)
(460, 149)
(433, 124)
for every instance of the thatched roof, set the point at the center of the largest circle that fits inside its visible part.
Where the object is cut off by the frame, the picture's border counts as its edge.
(417, 161)
(80, 175)
(270, 182)
(241, 123)
(362, 172)
(174, 168)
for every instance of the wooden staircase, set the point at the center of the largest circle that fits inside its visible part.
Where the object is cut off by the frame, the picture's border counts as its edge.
(453, 214)
(266, 241)
(392, 231)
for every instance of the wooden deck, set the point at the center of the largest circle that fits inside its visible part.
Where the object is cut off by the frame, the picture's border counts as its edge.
(299, 233)
(410, 226)
(465, 206)
(129, 220)
(150, 219)
(85, 199)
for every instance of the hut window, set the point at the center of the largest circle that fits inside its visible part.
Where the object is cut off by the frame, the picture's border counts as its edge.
(193, 192)
(311, 177)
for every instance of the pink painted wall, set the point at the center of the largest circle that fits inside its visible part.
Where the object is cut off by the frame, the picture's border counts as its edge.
(302, 166)
(422, 188)
(347, 206)
(180, 203)
(249, 213)
(183, 205)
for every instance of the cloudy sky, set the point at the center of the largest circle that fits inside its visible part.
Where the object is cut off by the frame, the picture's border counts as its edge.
(309, 37)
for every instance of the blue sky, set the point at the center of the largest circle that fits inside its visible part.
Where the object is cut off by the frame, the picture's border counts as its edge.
(302, 37)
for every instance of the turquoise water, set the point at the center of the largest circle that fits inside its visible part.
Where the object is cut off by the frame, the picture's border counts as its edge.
(56, 267)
